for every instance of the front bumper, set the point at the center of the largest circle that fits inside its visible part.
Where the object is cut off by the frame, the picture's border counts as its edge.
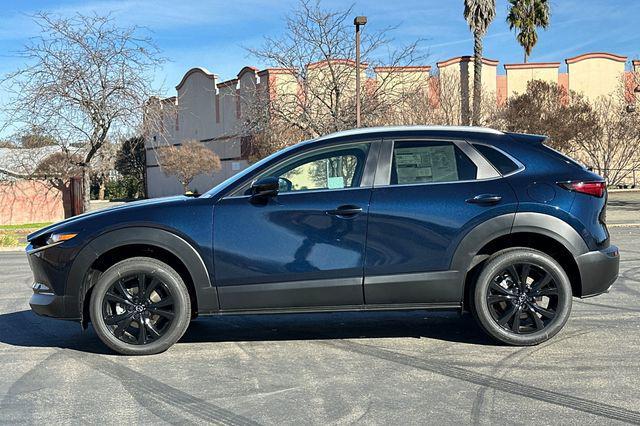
(598, 270)
(50, 269)
(48, 304)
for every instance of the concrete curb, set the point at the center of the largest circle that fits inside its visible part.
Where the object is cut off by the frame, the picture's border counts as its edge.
(12, 249)
(623, 190)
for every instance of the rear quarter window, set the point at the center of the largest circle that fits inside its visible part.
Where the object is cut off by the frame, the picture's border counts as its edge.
(501, 162)
(564, 157)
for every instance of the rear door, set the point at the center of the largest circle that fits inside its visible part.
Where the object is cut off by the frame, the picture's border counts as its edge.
(428, 194)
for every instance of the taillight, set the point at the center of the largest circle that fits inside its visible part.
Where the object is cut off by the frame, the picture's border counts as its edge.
(597, 189)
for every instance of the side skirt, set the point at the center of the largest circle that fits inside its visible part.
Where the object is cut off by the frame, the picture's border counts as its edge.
(342, 308)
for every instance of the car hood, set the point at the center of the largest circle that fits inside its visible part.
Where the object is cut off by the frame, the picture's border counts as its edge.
(77, 221)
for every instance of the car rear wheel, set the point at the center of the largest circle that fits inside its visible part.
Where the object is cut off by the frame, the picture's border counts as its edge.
(522, 297)
(140, 306)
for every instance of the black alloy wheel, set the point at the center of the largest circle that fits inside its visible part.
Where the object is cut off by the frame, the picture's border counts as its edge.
(138, 309)
(521, 297)
(140, 306)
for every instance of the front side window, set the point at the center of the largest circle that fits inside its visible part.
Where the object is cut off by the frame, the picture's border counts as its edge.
(328, 168)
(430, 161)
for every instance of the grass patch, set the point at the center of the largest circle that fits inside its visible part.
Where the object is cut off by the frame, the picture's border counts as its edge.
(9, 240)
(16, 235)
(25, 226)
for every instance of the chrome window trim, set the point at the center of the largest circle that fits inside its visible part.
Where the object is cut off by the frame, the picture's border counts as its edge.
(486, 171)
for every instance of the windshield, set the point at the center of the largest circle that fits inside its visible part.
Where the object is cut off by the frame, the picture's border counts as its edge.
(246, 172)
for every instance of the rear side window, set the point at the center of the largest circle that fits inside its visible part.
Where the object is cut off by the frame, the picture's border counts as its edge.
(426, 162)
(501, 162)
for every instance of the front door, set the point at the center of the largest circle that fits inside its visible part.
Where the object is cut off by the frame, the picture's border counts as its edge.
(303, 247)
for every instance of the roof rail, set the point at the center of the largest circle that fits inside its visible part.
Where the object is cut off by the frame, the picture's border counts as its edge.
(365, 130)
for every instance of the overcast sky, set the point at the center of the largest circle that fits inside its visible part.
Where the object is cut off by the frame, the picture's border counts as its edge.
(212, 33)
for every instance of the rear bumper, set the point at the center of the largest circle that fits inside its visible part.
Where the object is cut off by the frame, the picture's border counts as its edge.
(598, 270)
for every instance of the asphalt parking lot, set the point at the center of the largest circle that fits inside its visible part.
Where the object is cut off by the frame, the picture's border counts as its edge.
(402, 368)
(623, 207)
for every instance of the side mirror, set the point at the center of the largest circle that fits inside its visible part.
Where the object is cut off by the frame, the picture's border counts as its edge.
(265, 187)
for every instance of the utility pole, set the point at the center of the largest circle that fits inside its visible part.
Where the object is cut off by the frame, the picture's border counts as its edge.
(358, 21)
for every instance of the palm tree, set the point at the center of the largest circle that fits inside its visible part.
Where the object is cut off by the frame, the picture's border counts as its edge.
(526, 16)
(479, 15)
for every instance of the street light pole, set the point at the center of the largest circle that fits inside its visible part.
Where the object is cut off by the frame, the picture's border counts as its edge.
(358, 21)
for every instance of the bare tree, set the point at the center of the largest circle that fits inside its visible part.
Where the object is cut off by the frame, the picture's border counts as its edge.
(102, 167)
(85, 82)
(187, 161)
(316, 94)
(612, 148)
(36, 138)
(438, 101)
(58, 168)
(548, 109)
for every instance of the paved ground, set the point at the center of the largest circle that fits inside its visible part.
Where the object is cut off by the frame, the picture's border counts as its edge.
(623, 207)
(402, 368)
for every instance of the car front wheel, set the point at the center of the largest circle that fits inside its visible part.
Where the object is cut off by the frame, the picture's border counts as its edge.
(140, 306)
(522, 297)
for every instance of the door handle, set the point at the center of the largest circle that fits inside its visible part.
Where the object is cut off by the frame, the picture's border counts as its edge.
(345, 211)
(485, 199)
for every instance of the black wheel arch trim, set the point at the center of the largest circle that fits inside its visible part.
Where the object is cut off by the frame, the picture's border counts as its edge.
(465, 257)
(77, 285)
(553, 227)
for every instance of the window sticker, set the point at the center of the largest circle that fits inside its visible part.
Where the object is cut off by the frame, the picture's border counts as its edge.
(426, 164)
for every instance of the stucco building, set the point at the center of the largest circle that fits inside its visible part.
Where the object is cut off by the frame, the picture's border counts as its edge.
(211, 111)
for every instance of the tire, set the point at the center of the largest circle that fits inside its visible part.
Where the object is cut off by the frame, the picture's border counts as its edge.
(545, 293)
(131, 323)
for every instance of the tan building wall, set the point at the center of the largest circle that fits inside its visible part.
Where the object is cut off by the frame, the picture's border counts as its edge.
(402, 79)
(455, 84)
(461, 68)
(595, 74)
(208, 111)
(519, 75)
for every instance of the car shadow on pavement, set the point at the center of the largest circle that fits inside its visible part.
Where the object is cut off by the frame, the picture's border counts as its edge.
(24, 328)
(446, 326)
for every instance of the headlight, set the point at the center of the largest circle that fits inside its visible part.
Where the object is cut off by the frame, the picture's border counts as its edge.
(57, 238)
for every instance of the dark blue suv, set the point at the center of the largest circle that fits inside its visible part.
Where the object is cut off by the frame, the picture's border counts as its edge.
(373, 219)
